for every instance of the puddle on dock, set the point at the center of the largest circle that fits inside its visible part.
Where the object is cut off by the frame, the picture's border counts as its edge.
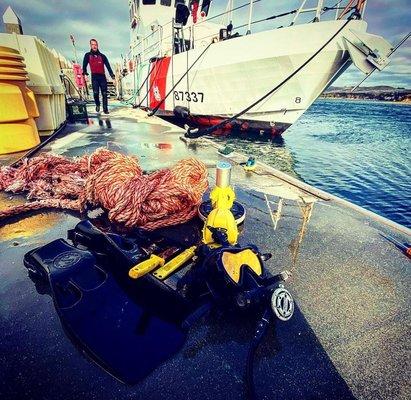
(147, 141)
(26, 226)
(271, 151)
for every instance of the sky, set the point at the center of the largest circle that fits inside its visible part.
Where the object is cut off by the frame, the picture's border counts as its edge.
(108, 21)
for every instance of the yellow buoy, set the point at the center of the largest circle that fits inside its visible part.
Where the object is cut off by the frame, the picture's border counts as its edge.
(15, 69)
(18, 106)
(18, 136)
(12, 105)
(12, 63)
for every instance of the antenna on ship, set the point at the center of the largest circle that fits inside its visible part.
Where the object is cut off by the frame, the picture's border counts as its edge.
(74, 48)
(228, 14)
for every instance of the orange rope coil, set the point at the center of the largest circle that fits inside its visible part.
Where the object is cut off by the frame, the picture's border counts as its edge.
(112, 181)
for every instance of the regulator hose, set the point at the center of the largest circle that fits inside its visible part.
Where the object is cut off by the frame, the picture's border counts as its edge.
(195, 133)
(259, 334)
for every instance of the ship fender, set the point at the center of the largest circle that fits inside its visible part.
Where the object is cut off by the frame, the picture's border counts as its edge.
(181, 112)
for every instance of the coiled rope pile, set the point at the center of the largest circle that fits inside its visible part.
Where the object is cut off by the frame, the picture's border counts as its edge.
(112, 181)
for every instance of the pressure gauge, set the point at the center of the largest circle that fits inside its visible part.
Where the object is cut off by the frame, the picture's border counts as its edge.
(282, 303)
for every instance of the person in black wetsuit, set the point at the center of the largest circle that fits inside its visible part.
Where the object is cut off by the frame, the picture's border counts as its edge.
(97, 62)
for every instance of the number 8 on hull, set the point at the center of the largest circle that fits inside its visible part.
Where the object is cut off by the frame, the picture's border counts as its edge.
(204, 70)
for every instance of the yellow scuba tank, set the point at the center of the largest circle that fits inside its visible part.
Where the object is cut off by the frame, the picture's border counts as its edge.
(222, 197)
(223, 219)
(220, 217)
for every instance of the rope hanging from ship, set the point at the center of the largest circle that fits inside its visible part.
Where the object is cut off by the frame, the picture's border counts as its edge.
(324, 9)
(132, 98)
(112, 181)
(195, 133)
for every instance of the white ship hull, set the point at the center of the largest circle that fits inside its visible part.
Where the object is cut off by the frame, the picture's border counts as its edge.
(234, 73)
(211, 77)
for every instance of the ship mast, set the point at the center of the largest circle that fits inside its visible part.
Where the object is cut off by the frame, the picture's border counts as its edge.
(228, 15)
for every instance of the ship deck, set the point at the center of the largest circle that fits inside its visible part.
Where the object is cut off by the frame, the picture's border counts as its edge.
(349, 337)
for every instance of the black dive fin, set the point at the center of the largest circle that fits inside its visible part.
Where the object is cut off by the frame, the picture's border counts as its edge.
(122, 337)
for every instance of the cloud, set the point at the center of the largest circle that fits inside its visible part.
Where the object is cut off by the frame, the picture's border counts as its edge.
(108, 21)
(53, 21)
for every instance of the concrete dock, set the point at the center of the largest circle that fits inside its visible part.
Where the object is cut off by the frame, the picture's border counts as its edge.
(349, 338)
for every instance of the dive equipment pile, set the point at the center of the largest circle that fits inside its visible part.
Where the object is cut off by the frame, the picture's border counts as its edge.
(104, 284)
(112, 181)
(121, 327)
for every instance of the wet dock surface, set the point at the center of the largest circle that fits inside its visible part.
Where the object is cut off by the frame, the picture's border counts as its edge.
(349, 337)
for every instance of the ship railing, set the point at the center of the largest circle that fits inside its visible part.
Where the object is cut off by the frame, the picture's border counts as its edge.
(319, 9)
(162, 39)
(141, 43)
(341, 8)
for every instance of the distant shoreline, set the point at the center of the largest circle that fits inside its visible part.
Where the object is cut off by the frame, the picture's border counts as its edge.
(406, 102)
(384, 94)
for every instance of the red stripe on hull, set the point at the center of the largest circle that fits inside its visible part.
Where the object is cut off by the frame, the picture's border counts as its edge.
(158, 82)
(239, 126)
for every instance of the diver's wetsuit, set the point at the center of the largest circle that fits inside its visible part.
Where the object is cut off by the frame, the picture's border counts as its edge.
(97, 62)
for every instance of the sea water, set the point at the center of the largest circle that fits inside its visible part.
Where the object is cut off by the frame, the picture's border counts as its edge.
(357, 150)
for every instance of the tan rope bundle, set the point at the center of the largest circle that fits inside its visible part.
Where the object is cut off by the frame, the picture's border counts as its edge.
(112, 181)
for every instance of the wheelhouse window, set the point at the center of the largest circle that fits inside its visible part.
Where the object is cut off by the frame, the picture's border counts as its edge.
(165, 3)
(205, 7)
(149, 2)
